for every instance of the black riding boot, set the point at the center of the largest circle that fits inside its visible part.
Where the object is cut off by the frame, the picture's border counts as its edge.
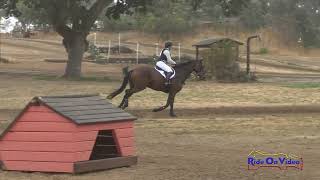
(168, 81)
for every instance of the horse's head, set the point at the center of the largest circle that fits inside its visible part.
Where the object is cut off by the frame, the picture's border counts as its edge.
(199, 69)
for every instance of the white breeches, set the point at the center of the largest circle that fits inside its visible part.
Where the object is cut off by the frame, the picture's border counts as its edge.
(164, 66)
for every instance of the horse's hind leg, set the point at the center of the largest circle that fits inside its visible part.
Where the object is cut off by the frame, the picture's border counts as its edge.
(129, 93)
(134, 88)
(122, 102)
(125, 100)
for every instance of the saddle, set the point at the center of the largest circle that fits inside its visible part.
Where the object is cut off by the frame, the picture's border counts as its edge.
(162, 72)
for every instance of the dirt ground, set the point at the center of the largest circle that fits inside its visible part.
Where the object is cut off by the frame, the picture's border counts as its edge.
(217, 126)
(214, 148)
(199, 144)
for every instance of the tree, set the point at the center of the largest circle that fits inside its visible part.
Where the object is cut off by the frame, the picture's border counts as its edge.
(166, 17)
(298, 20)
(253, 15)
(30, 17)
(232, 7)
(73, 20)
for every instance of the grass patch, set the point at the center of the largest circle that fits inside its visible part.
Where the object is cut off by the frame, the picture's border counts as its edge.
(46, 77)
(83, 78)
(303, 85)
(3, 126)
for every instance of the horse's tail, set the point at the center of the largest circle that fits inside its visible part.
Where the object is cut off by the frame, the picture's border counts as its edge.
(124, 83)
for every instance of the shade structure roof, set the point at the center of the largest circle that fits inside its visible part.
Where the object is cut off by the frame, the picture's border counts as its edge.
(211, 41)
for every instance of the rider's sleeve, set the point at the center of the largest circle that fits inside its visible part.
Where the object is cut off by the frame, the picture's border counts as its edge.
(169, 59)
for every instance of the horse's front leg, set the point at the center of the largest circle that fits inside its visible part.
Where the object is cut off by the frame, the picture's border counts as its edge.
(160, 108)
(172, 114)
(165, 106)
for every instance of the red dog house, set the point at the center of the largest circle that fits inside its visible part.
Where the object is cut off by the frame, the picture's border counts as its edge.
(71, 134)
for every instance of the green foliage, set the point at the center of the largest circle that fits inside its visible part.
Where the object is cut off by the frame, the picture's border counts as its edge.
(171, 25)
(166, 17)
(303, 85)
(297, 19)
(94, 52)
(212, 10)
(263, 51)
(226, 8)
(220, 62)
(30, 16)
(253, 16)
(232, 7)
(244, 77)
(123, 24)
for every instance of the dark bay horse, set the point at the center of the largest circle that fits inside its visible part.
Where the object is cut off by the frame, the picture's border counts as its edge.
(145, 76)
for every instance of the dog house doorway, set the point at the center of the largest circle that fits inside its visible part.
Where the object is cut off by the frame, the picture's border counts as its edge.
(105, 146)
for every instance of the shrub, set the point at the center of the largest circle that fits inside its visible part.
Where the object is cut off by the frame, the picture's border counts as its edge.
(263, 51)
(94, 52)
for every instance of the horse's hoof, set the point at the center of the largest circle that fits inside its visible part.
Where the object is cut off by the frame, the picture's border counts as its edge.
(155, 110)
(173, 115)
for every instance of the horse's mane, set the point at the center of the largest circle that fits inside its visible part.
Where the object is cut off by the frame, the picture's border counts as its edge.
(183, 64)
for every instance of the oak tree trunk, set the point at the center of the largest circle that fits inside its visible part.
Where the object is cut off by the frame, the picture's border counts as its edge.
(75, 46)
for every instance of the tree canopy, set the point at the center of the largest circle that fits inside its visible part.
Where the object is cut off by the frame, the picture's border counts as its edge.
(72, 19)
(298, 20)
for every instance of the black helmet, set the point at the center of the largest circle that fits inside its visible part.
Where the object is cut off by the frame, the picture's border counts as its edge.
(168, 44)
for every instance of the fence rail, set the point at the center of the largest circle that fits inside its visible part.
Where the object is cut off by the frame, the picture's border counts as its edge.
(180, 50)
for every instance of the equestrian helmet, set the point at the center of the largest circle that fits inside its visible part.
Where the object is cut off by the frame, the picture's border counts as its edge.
(168, 44)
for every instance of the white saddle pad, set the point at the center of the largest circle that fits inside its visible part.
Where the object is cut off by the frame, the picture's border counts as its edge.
(162, 72)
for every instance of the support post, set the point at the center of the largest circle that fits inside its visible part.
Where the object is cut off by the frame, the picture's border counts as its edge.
(197, 53)
(137, 53)
(109, 49)
(179, 52)
(95, 39)
(0, 46)
(119, 42)
(157, 49)
(248, 52)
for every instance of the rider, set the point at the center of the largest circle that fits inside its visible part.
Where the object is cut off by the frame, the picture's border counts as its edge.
(165, 60)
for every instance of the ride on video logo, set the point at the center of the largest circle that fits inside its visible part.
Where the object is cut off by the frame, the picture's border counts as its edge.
(260, 159)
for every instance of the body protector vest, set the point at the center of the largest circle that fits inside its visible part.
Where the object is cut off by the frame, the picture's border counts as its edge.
(163, 57)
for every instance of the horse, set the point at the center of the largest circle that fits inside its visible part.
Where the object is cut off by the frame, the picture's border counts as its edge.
(145, 76)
